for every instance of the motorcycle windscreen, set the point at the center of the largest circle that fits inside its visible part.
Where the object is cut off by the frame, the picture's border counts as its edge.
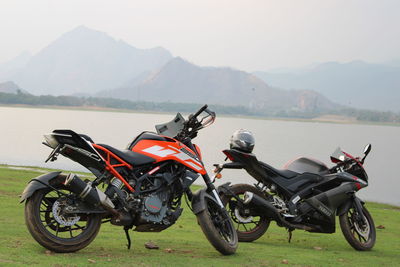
(172, 128)
(338, 156)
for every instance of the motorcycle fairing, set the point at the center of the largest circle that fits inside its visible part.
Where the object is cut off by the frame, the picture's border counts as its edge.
(163, 151)
(294, 185)
(330, 203)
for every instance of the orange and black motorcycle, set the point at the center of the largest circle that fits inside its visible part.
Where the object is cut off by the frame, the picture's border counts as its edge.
(144, 188)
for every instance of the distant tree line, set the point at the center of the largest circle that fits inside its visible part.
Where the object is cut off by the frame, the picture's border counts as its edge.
(369, 115)
(73, 101)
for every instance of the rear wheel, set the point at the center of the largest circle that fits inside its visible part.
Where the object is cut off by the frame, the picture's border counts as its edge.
(218, 227)
(55, 229)
(360, 234)
(248, 227)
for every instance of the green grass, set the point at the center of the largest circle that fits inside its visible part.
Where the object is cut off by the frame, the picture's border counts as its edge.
(188, 244)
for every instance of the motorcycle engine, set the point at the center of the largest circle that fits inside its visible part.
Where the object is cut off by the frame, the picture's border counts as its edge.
(154, 207)
(157, 210)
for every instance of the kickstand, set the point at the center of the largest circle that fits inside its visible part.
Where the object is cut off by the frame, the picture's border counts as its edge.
(290, 235)
(126, 229)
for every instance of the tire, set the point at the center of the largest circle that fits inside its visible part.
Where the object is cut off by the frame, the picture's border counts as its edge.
(218, 228)
(359, 237)
(245, 233)
(51, 234)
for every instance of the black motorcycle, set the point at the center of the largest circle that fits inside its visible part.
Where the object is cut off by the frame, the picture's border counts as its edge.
(144, 185)
(305, 195)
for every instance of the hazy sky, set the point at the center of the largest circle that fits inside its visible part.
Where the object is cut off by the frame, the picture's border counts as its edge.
(249, 35)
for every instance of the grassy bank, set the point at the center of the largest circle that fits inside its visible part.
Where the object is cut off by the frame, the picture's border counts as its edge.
(185, 245)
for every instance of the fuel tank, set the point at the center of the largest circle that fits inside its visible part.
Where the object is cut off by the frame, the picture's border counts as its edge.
(303, 164)
(163, 148)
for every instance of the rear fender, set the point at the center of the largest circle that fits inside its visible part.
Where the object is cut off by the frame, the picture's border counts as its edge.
(37, 183)
(225, 189)
(198, 200)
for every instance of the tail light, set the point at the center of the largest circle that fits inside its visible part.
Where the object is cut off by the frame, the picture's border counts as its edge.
(229, 156)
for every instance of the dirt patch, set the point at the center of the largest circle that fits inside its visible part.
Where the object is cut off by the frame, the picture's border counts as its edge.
(392, 208)
(63, 265)
(8, 194)
(6, 261)
(16, 244)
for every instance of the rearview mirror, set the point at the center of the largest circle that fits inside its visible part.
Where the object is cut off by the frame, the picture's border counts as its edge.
(367, 149)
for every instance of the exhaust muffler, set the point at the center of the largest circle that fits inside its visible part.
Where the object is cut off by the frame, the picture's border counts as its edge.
(270, 211)
(86, 192)
(261, 204)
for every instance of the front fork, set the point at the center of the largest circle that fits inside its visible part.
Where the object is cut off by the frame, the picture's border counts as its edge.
(359, 208)
(210, 186)
(211, 189)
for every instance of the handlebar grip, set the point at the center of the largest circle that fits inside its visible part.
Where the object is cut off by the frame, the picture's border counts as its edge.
(200, 110)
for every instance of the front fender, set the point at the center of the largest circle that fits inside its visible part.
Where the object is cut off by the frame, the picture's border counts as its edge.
(198, 200)
(342, 209)
(35, 185)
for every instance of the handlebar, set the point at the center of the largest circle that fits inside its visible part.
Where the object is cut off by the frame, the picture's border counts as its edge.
(200, 111)
(193, 125)
(343, 164)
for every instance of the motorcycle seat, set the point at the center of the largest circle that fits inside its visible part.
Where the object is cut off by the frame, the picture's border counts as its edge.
(284, 173)
(133, 158)
(86, 137)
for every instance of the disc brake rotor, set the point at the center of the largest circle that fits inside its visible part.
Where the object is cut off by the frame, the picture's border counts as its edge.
(241, 218)
(60, 217)
(364, 231)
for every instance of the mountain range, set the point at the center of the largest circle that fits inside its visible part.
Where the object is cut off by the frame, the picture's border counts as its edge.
(86, 62)
(11, 88)
(182, 81)
(357, 84)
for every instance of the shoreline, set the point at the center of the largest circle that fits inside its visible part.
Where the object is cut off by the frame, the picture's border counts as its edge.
(333, 119)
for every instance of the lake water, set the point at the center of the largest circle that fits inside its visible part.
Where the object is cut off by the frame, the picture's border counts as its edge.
(277, 142)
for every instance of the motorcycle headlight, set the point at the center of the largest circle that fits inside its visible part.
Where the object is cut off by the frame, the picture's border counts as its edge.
(51, 140)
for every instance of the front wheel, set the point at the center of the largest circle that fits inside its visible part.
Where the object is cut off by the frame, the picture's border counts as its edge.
(360, 234)
(218, 228)
(54, 229)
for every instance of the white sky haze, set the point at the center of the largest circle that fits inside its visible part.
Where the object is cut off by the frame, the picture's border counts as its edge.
(249, 35)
